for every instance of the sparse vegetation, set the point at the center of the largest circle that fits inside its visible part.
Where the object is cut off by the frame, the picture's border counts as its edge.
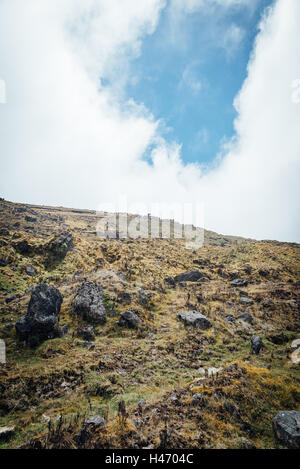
(46, 392)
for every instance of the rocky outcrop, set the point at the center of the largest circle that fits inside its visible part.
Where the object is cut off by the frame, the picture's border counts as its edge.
(88, 303)
(43, 309)
(129, 319)
(192, 276)
(286, 426)
(256, 344)
(195, 319)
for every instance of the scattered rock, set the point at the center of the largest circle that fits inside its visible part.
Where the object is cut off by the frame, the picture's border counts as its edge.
(22, 247)
(82, 437)
(195, 319)
(286, 426)
(247, 317)
(197, 396)
(246, 301)
(192, 276)
(3, 262)
(295, 343)
(88, 303)
(143, 300)
(87, 344)
(96, 422)
(230, 319)
(170, 281)
(41, 316)
(30, 219)
(59, 246)
(239, 282)
(86, 333)
(30, 270)
(256, 344)
(129, 319)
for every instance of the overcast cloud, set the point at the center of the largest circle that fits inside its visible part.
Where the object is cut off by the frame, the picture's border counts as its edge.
(68, 136)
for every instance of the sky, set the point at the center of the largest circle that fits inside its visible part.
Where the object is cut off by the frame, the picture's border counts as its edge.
(158, 101)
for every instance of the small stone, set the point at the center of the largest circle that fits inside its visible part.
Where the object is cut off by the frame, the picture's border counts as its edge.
(247, 317)
(96, 421)
(239, 282)
(256, 344)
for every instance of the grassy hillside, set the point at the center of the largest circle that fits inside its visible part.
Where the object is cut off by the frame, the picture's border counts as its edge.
(46, 392)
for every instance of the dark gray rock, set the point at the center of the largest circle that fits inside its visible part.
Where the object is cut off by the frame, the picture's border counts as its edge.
(230, 319)
(247, 317)
(286, 426)
(195, 319)
(197, 396)
(124, 298)
(3, 262)
(88, 303)
(192, 276)
(59, 246)
(30, 219)
(170, 281)
(86, 344)
(143, 300)
(30, 270)
(86, 333)
(82, 437)
(182, 284)
(96, 422)
(42, 314)
(244, 300)
(239, 282)
(22, 247)
(256, 344)
(129, 319)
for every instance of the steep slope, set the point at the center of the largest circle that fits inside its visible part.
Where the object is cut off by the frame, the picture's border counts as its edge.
(163, 362)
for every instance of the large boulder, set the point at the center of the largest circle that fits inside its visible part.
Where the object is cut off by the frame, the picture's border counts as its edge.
(191, 276)
(286, 426)
(88, 303)
(43, 309)
(195, 319)
(129, 319)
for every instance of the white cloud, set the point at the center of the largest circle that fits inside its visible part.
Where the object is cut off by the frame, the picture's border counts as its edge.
(67, 140)
(232, 39)
(190, 79)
